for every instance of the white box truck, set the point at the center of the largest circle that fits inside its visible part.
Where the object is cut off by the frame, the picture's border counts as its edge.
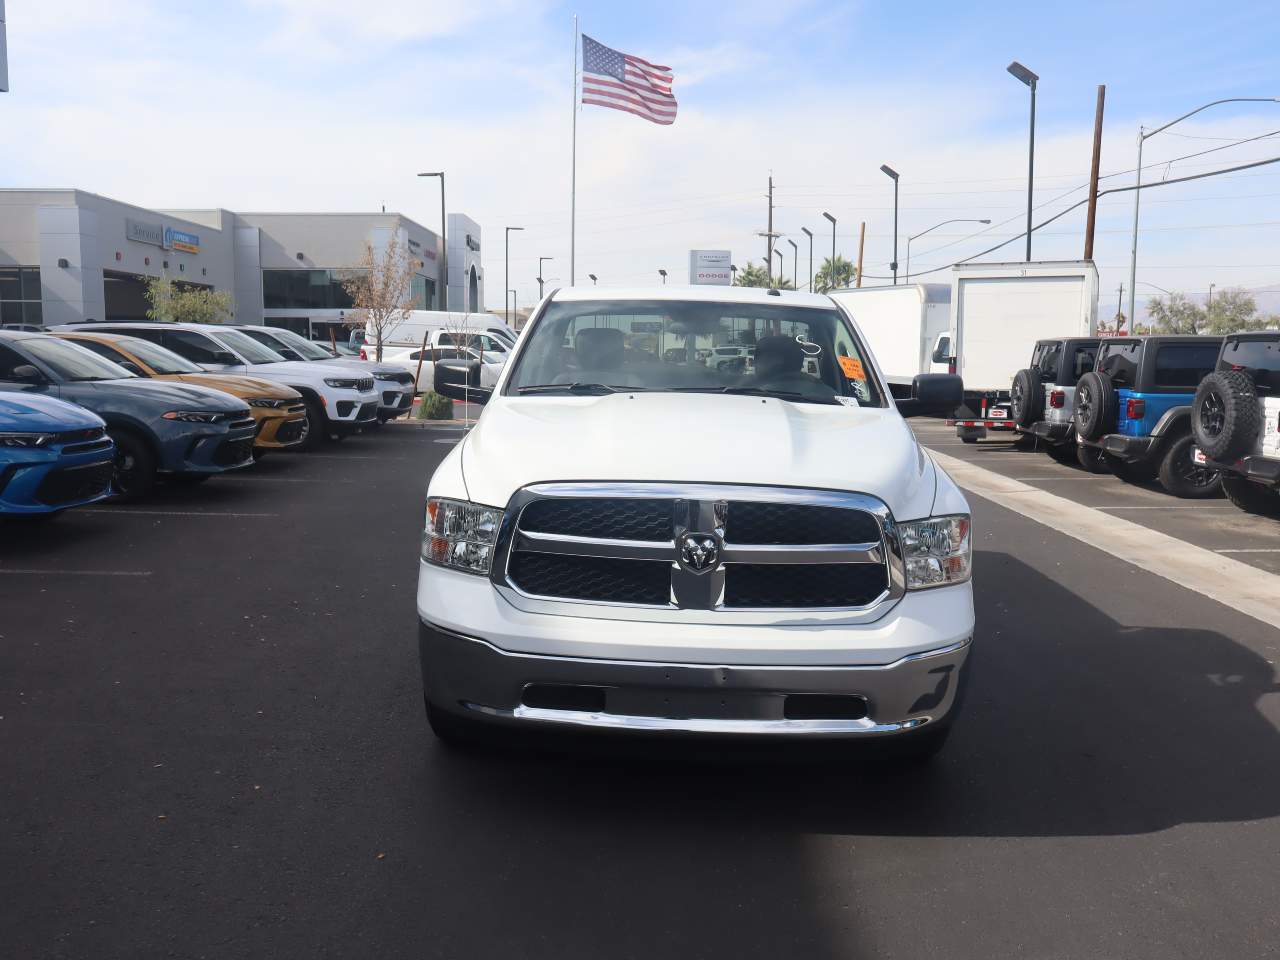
(903, 326)
(998, 312)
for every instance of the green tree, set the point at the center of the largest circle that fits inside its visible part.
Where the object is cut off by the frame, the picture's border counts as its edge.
(1234, 310)
(186, 303)
(843, 275)
(755, 275)
(1175, 314)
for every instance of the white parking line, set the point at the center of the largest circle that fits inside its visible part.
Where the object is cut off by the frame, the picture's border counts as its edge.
(256, 479)
(454, 442)
(1050, 477)
(339, 456)
(1235, 584)
(1250, 550)
(1170, 506)
(78, 573)
(183, 513)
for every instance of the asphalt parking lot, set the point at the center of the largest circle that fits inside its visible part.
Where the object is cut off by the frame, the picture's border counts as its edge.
(214, 746)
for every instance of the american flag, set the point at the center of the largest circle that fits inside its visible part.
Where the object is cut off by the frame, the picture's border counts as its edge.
(614, 79)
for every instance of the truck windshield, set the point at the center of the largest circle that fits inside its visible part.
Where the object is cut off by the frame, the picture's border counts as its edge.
(804, 354)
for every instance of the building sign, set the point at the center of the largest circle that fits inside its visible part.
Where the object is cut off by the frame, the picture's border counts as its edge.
(472, 243)
(152, 233)
(177, 240)
(710, 267)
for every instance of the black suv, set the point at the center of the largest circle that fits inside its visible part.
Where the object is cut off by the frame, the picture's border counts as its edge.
(1133, 411)
(1236, 420)
(1042, 397)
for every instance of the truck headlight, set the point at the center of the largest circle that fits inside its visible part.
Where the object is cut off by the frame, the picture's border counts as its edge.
(341, 383)
(936, 551)
(460, 535)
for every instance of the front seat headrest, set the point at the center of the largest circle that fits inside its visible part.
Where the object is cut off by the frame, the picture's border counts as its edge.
(776, 356)
(599, 348)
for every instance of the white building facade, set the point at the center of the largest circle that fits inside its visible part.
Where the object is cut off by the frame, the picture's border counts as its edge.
(70, 256)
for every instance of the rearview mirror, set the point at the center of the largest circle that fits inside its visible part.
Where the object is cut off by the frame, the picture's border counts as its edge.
(942, 352)
(460, 380)
(933, 395)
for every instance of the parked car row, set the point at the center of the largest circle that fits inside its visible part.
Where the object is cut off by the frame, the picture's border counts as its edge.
(1200, 414)
(89, 411)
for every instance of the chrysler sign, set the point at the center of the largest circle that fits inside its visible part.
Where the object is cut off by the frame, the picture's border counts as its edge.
(710, 267)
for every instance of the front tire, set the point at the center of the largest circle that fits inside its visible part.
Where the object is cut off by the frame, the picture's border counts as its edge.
(1183, 477)
(313, 433)
(1251, 497)
(133, 474)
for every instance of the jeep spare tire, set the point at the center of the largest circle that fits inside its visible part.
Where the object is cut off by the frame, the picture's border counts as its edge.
(1096, 405)
(1027, 396)
(1224, 415)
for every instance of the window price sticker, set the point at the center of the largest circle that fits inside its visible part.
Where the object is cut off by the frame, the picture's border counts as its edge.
(852, 368)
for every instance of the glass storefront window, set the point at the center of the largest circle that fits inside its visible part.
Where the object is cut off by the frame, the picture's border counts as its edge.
(305, 290)
(20, 296)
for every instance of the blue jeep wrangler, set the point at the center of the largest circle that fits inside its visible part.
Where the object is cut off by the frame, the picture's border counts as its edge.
(1133, 411)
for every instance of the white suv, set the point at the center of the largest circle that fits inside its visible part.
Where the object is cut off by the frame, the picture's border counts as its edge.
(632, 540)
(395, 386)
(339, 402)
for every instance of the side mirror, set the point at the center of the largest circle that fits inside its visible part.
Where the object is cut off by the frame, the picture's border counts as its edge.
(933, 395)
(27, 373)
(131, 367)
(460, 380)
(942, 352)
(226, 358)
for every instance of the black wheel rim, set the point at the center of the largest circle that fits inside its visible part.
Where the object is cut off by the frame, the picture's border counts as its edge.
(1017, 399)
(1213, 415)
(126, 466)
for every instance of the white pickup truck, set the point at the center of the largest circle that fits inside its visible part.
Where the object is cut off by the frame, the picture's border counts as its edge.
(634, 541)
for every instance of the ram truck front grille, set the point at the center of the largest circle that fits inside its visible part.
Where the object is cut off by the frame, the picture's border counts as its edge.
(698, 546)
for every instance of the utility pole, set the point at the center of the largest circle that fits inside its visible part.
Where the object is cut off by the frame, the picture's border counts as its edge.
(768, 240)
(1209, 307)
(1091, 221)
(1119, 315)
(862, 239)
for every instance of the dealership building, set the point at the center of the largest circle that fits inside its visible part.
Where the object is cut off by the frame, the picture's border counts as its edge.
(68, 256)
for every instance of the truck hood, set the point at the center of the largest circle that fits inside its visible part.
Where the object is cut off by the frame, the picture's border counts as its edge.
(696, 438)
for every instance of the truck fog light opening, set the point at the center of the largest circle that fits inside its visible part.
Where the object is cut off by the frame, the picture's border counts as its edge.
(460, 535)
(937, 551)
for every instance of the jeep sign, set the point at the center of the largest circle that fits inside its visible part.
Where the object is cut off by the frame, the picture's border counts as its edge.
(710, 267)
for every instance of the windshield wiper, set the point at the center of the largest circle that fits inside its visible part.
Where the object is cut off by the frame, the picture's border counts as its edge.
(576, 387)
(792, 395)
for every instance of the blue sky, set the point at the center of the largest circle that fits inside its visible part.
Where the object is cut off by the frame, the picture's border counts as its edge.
(326, 104)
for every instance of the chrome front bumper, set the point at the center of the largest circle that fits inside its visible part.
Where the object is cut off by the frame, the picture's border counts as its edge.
(470, 677)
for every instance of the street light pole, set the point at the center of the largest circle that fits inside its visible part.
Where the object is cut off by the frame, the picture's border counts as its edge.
(930, 230)
(541, 261)
(1029, 78)
(888, 171)
(593, 278)
(795, 264)
(663, 274)
(515, 308)
(444, 238)
(782, 264)
(809, 233)
(506, 273)
(1143, 136)
(831, 274)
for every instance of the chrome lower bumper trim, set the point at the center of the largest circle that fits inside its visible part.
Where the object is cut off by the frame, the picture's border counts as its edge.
(611, 721)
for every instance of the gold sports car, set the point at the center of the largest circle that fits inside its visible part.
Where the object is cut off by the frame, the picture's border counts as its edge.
(279, 410)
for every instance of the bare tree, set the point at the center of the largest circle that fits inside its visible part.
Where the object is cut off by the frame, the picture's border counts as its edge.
(381, 290)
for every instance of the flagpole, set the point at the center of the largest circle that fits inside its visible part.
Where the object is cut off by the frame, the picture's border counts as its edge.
(573, 174)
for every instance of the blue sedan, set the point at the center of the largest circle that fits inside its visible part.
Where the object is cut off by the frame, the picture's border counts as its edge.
(53, 455)
(160, 429)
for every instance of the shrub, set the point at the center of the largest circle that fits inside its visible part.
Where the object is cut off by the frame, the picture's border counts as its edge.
(434, 406)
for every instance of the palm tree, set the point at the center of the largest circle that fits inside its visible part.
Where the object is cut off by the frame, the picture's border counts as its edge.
(755, 275)
(843, 275)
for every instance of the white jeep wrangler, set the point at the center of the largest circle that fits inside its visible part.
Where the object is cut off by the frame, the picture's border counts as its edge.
(630, 539)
